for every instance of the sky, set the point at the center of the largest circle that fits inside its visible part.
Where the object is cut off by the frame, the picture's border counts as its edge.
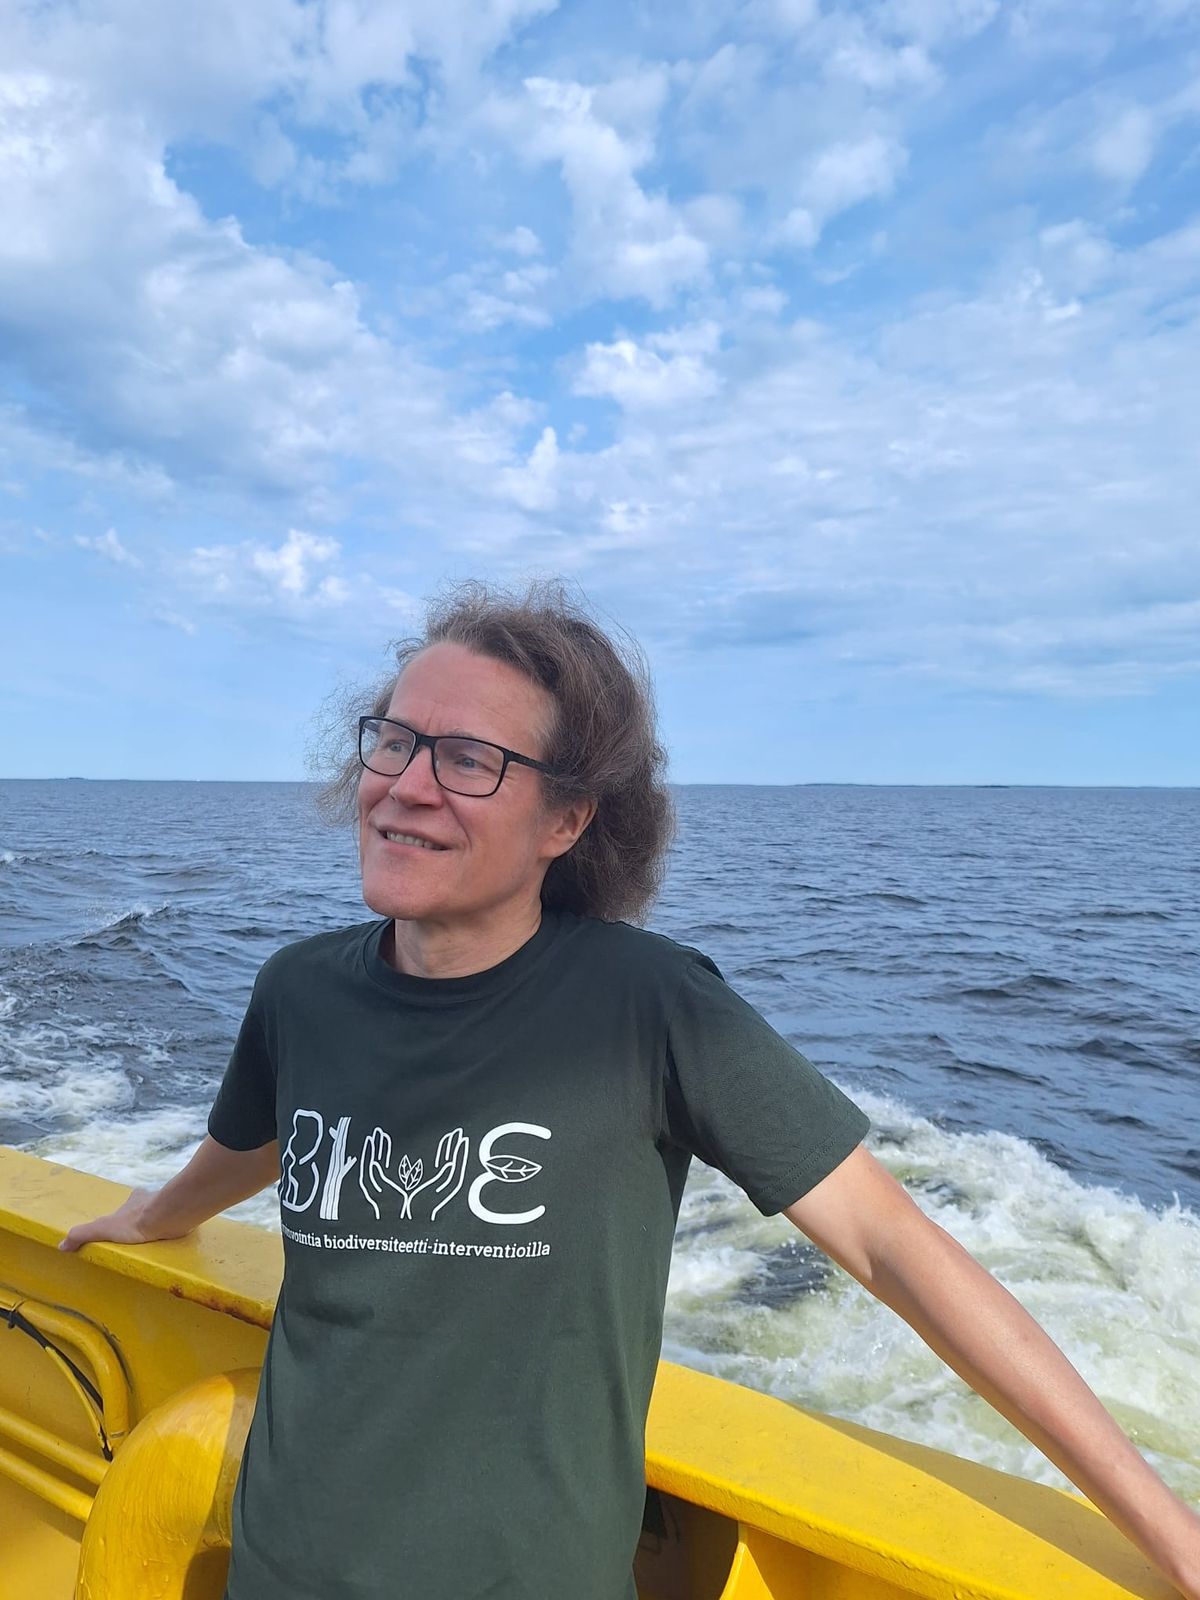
(846, 355)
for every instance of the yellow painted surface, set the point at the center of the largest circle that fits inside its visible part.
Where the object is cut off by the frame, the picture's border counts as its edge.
(877, 1507)
(161, 1522)
(764, 1501)
(170, 1314)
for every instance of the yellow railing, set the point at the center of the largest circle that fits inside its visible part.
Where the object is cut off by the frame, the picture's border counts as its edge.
(104, 1396)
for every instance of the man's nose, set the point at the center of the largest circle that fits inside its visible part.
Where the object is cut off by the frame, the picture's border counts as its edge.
(417, 780)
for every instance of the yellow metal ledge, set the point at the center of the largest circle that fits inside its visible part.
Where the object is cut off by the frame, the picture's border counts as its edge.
(225, 1266)
(923, 1520)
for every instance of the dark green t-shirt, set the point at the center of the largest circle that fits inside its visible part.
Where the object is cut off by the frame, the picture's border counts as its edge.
(480, 1182)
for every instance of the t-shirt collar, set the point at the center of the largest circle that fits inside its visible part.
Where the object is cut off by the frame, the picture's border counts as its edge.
(456, 991)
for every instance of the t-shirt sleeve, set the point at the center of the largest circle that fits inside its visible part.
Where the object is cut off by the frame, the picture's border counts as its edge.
(745, 1101)
(243, 1114)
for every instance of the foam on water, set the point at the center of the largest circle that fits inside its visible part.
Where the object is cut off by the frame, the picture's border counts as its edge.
(50, 1073)
(79, 1078)
(1115, 1285)
(145, 1153)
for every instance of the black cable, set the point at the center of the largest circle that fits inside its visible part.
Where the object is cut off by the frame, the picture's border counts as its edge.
(23, 1325)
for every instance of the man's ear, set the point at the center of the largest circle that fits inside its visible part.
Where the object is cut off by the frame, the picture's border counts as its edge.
(570, 822)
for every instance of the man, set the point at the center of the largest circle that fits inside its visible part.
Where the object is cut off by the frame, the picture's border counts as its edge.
(480, 1109)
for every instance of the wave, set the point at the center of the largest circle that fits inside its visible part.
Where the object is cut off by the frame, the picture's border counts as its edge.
(1111, 1119)
(122, 925)
(1119, 914)
(48, 858)
(974, 1067)
(1123, 1051)
(1033, 983)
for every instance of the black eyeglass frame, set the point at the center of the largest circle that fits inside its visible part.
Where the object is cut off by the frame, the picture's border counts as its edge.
(431, 739)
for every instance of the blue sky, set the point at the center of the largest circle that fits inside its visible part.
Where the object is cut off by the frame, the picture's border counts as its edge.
(848, 355)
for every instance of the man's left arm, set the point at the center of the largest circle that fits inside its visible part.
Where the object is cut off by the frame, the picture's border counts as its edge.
(862, 1218)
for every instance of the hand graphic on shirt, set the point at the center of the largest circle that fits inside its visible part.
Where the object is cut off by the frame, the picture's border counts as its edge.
(376, 1159)
(372, 1168)
(452, 1169)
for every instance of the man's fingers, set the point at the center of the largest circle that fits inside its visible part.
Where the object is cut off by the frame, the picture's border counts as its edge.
(81, 1233)
(114, 1227)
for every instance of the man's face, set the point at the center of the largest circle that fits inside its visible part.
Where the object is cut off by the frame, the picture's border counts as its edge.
(492, 851)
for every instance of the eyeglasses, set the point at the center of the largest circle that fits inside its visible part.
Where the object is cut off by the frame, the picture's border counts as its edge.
(461, 765)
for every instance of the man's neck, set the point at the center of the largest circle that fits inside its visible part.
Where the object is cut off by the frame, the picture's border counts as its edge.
(452, 950)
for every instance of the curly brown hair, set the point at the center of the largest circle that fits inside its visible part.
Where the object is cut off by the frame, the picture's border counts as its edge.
(603, 741)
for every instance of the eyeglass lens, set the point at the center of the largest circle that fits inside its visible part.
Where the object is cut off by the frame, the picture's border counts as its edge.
(467, 766)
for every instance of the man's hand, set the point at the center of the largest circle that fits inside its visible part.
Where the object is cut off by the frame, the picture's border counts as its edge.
(213, 1180)
(126, 1225)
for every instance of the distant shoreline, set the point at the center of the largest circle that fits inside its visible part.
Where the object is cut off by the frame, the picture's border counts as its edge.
(703, 783)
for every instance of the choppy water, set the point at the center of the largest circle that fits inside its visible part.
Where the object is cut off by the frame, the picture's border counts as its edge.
(1005, 979)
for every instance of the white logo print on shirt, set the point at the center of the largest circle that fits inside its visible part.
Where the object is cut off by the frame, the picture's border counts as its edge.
(396, 1187)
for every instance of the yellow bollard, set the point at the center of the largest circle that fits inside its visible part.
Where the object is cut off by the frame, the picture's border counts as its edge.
(160, 1527)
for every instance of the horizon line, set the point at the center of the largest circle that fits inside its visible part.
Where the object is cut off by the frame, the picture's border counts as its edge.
(691, 783)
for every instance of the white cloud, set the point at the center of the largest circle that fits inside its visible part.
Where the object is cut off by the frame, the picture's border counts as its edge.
(291, 566)
(626, 518)
(493, 297)
(1124, 147)
(109, 545)
(1098, 132)
(717, 219)
(292, 575)
(841, 176)
(936, 22)
(625, 242)
(764, 301)
(174, 619)
(533, 484)
(639, 378)
(172, 349)
(785, 16)
(631, 102)
(876, 67)
(1076, 255)
(483, 311)
(799, 229)
(522, 241)
(691, 339)
(107, 471)
(347, 66)
(941, 500)
(155, 326)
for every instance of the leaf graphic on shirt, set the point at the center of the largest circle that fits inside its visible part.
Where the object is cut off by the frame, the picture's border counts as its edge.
(512, 1169)
(409, 1173)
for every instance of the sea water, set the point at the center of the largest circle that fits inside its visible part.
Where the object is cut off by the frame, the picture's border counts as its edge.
(1003, 978)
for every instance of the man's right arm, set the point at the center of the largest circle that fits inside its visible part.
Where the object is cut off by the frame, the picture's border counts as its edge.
(213, 1180)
